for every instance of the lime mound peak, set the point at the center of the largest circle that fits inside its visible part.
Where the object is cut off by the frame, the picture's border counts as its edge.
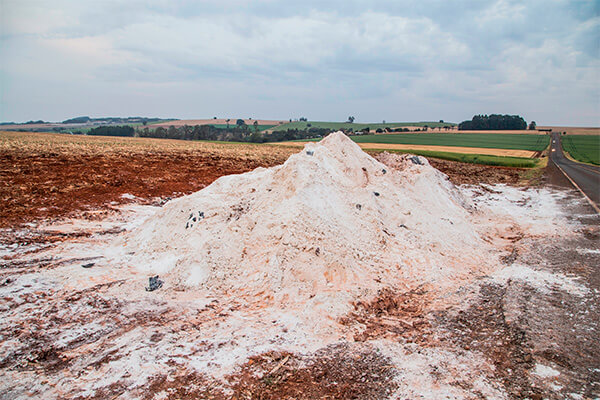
(328, 225)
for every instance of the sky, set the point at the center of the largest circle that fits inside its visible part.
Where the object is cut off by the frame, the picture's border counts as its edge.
(377, 60)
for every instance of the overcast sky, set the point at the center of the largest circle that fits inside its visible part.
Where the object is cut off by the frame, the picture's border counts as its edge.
(377, 60)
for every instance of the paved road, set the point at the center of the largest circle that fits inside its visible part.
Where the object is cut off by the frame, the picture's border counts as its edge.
(587, 177)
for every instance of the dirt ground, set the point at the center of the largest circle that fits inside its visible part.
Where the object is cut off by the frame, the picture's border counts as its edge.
(473, 174)
(514, 326)
(46, 176)
(49, 176)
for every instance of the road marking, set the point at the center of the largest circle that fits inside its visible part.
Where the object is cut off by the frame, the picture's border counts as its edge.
(578, 188)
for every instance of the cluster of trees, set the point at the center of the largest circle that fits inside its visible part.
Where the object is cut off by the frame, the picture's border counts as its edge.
(296, 134)
(77, 120)
(494, 122)
(112, 131)
(236, 133)
(240, 132)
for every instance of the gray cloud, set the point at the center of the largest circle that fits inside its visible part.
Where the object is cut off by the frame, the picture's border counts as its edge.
(406, 60)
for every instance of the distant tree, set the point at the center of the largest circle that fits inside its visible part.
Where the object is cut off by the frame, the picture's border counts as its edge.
(240, 122)
(77, 120)
(384, 121)
(379, 130)
(441, 121)
(303, 119)
(256, 137)
(172, 132)
(186, 132)
(351, 119)
(228, 122)
(255, 126)
(532, 126)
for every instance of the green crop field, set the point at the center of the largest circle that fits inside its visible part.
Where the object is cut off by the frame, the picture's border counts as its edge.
(517, 162)
(482, 140)
(358, 126)
(584, 148)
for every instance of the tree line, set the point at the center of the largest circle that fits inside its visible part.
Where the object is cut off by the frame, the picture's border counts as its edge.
(493, 122)
(240, 132)
(112, 131)
(236, 133)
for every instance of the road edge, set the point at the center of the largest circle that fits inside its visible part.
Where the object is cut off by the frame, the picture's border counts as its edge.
(594, 206)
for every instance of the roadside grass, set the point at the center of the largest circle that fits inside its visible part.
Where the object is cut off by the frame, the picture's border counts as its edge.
(583, 148)
(501, 161)
(357, 126)
(534, 176)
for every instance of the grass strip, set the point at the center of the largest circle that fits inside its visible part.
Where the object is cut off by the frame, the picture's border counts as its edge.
(583, 148)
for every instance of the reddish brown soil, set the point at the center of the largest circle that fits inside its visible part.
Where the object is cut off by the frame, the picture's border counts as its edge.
(392, 315)
(45, 176)
(42, 186)
(473, 174)
(334, 372)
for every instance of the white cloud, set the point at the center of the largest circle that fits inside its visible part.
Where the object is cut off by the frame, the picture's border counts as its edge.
(501, 11)
(238, 43)
(28, 18)
(279, 58)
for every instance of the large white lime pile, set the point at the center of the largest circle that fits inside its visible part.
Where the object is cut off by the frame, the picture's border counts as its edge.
(328, 226)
